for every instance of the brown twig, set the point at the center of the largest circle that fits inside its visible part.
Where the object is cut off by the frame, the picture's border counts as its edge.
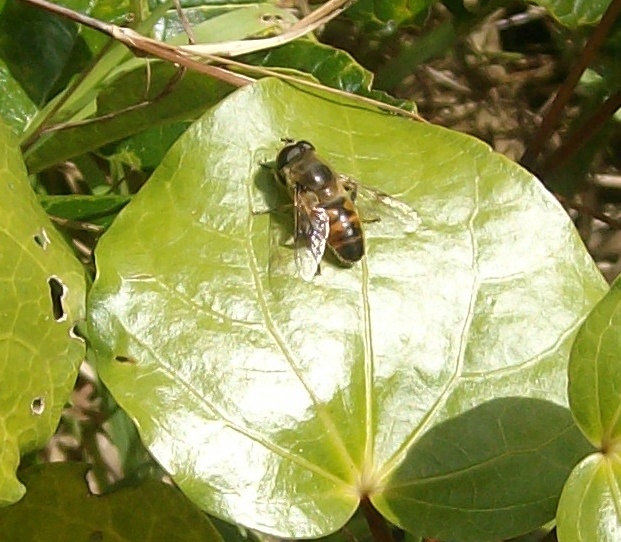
(614, 223)
(581, 135)
(137, 42)
(552, 116)
(378, 526)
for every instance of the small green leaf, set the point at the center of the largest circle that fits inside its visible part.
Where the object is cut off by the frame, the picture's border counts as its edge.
(41, 299)
(59, 499)
(238, 24)
(386, 15)
(330, 66)
(589, 505)
(595, 371)
(573, 13)
(37, 46)
(279, 404)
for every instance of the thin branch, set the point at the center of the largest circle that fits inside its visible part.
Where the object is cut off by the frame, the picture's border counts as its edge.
(305, 82)
(552, 116)
(178, 55)
(380, 532)
(136, 41)
(582, 134)
(614, 223)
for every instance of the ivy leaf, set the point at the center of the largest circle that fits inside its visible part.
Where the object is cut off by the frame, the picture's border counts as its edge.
(41, 300)
(278, 403)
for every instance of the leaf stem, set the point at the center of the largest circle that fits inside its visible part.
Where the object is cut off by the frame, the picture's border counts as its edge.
(380, 532)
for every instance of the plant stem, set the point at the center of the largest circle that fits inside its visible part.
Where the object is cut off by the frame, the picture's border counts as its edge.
(552, 116)
(377, 524)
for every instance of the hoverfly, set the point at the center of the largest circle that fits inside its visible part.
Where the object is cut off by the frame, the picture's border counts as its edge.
(324, 208)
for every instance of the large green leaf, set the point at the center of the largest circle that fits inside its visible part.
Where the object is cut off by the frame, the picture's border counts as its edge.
(278, 403)
(41, 299)
(59, 499)
(590, 507)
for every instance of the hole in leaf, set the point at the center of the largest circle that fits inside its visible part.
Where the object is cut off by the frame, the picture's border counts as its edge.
(37, 406)
(75, 333)
(124, 359)
(41, 238)
(57, 293)
(269, 18)
(95, 536)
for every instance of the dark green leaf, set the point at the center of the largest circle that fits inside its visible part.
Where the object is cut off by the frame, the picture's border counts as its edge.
(183, 100)
(330, 66)
(93, 209)
(38, 46)
(58, 507)
(41, 299)
(278, 403)
(464, 474)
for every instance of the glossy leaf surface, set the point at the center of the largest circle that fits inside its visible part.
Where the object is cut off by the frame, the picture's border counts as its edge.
(41, 299)
(590, 503)
(278, 403)
(332, 67)
(16, 108)
(595, 372)
(59, 499)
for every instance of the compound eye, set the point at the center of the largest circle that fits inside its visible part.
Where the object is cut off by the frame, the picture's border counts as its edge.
(287, 155)
(290, 152)
(305, 146)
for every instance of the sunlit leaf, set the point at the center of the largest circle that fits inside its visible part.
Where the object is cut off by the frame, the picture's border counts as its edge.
(41, 299)
(590, 503)
(278, 403)
(16, 108)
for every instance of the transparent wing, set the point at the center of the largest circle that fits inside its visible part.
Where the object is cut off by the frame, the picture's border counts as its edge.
(377, 206)
(312, 226)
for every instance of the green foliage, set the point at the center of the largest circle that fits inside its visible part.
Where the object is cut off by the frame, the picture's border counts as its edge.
(429, 378)
(263, 365)
(152, 511)
(41, 300)
(589, 509)
(573, 13)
